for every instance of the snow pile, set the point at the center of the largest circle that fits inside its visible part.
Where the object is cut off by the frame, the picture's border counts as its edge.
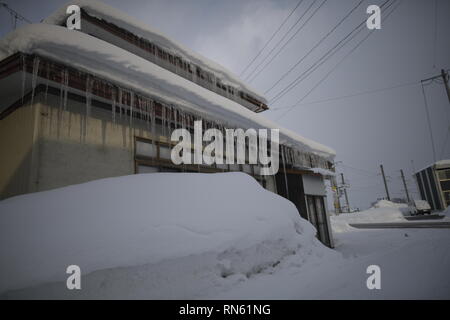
(382, 211)
(414, 265)
(110, 14)
(107, 61)
(168, 225)
(445, 213)
(389, 204)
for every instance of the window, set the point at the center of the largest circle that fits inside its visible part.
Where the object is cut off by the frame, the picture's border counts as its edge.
(444, 174)
(146, 149)
(164, 152)
(317, 217)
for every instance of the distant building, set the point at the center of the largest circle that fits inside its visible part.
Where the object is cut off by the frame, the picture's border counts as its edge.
(101, 102)
(434, 184)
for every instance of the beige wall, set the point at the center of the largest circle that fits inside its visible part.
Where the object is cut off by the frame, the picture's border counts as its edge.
(62, 154)
(71, 154)
(16, 141)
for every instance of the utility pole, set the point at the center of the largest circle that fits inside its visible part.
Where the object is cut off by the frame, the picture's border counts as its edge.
(404, 184)
(337, 202)
(385, 184)
(444, 76)
(345, 192)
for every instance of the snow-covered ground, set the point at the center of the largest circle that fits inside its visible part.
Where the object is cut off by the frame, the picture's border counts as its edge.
(382, 211)
(166, 237)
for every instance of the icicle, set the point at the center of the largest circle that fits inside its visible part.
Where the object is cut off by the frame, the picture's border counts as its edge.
(88, 105)
(284, 169)
(61, 92)
(163, 120)
(63, 89)
(175, 125)
(47, 81)
(147, 112)
(120, 103)
(88, 96)
(183, 125)
(34, 77)
(24, 73)
(153, 120)
(131, 108)
(113, 106)
(66, 87)
(169, 121)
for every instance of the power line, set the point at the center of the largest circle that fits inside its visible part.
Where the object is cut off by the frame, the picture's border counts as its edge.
(323, 58)
(353, 95)
(428, 120)
(435, 32)
(337, 65)
(315, 46)
(273, 35)
(281, 40)
(289, 40)
(367, 173)
(14, 14)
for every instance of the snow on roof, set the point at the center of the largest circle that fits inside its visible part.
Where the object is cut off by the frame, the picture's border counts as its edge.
(120, 19)
(107, 61)
(442, 164)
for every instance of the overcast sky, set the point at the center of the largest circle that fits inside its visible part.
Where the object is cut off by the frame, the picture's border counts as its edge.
(378, 126)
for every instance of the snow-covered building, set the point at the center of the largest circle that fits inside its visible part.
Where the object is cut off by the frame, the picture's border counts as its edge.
(434, 184)
(80, 105)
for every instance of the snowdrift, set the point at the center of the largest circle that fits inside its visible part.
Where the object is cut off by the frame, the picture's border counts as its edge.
(382, 211)
(149, 219)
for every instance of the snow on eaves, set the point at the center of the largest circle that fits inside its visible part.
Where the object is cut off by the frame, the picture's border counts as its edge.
(107, 61)
(441, 164)
(120, 19)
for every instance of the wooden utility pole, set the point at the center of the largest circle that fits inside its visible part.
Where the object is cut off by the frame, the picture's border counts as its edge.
(337, 202)
(444, 76)
(385, 184)
(404, 184)
(344, 187)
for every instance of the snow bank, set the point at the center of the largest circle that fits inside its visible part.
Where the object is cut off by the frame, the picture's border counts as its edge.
(445, 213)
(112, 15)
(107, 61)
(382, 211)
(148, 219)
(389, 204)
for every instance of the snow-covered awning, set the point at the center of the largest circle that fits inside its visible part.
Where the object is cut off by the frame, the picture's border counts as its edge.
(102, 11)
(105, 60)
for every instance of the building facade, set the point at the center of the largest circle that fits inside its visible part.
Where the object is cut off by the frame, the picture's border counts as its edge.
(102, 102)
(434, 184)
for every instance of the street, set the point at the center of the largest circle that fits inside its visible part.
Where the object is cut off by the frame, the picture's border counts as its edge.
(401, 225)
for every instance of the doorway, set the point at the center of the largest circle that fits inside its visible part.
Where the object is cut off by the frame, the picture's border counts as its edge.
(317, 217)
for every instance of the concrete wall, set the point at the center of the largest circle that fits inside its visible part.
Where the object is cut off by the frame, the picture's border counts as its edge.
(17, 132)
(47, 147)
(72, 151)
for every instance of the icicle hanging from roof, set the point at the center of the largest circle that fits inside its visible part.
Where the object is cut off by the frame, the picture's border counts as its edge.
(113, 104)
(34, 77)
(131, 108)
